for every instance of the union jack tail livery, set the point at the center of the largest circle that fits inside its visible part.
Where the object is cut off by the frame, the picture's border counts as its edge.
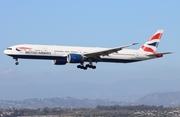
(152, 44)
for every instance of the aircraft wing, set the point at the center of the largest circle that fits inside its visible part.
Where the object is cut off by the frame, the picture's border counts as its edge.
(107, 52)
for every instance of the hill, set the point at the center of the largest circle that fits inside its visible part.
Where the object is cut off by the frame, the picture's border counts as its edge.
(165, 99)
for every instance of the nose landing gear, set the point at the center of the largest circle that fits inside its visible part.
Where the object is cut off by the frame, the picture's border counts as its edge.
(16, 63)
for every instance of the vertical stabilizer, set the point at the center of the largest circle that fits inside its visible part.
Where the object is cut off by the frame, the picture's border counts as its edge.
(152, 44)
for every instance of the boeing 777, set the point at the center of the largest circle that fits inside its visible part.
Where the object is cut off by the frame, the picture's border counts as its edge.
(60, 55)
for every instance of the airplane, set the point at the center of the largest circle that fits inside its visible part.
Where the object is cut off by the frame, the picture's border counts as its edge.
(61, 55)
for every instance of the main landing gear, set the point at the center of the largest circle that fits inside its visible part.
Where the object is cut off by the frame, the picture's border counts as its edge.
(86, 66)
(16, 63)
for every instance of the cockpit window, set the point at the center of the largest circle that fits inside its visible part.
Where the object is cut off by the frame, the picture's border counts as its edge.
(9, 48)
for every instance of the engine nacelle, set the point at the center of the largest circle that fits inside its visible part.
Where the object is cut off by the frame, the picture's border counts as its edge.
(59, 62)
(74, 58)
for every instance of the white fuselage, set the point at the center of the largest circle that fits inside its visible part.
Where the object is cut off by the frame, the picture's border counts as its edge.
(49, 52)
(60, 55)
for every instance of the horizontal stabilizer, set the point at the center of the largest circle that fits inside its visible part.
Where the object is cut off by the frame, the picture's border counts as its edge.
(159, 54)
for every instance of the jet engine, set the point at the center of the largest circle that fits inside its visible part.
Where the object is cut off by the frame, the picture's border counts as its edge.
(74, 58)
(59, 62)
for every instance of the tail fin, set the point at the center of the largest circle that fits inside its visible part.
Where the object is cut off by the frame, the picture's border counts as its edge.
(152, 44)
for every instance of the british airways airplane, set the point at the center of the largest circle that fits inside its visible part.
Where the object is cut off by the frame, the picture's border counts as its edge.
(60, 55)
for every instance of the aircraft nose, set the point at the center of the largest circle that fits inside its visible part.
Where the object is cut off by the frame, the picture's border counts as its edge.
(5, 51)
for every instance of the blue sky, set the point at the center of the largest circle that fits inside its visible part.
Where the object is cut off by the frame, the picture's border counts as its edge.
(101, 23)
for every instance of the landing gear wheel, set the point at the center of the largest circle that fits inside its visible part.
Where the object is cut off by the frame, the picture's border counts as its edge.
(93, 67)
(78, 66)
(16, 59)
(85, 68)
(87, 65)
(17, 63)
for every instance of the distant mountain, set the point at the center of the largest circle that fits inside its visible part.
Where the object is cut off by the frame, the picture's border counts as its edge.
(66, 102)
(157, 99)
(165, 99)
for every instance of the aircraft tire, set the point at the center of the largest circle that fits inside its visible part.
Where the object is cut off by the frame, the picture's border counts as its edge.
(85, 68)
(16, 63)
(93, 67)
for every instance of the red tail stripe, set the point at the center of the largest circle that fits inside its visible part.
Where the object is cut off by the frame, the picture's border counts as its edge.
(156, 36)
(147, 49)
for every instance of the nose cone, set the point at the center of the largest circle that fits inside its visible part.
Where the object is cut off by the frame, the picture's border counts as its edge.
(5, 51)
